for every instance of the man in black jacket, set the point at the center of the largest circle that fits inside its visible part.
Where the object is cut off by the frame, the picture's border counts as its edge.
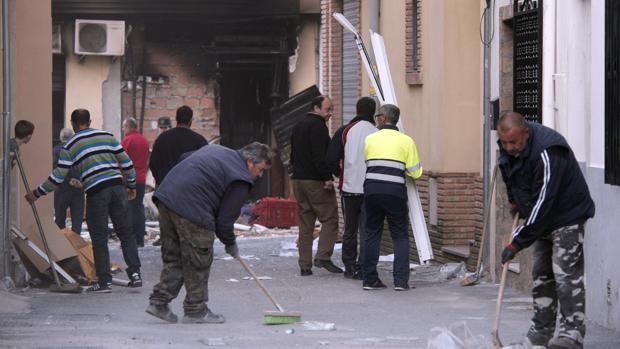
(314, 187)
(171, 144)
(547, 188)
(199, 200)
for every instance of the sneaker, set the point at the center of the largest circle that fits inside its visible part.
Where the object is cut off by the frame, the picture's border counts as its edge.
(374, 285)
(306, 272)
(162, 312)
(209, 318)
(100, 288)
(327, 264)
(563, 342)
(401, 287)
(135, 280)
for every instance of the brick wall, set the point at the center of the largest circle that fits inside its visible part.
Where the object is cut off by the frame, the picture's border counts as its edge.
(459, 215)
(181, 76)
(331, 59)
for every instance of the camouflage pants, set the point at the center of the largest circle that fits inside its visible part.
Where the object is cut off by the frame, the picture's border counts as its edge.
(558, 278)
(187, 254)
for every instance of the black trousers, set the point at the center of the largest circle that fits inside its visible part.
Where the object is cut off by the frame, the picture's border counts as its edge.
(354, 227)
(72, 198)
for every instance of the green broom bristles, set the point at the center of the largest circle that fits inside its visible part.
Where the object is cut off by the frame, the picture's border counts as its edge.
(279, 318)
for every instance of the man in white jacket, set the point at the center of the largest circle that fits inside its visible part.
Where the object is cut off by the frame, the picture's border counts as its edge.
(345, 156)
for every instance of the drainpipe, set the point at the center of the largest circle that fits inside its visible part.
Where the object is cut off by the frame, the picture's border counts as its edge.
(486, 111)
(6, 137)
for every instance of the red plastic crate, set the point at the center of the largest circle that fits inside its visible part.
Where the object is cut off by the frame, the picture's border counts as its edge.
(275, 213)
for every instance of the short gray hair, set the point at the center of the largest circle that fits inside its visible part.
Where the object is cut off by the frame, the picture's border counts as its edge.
(132, 123)
(65, 134)
(257, 152)
(391, 113)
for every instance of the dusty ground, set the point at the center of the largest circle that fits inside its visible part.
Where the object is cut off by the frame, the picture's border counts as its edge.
(345, 315)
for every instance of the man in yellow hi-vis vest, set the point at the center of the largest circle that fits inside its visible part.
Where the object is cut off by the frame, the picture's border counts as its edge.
(391, 157)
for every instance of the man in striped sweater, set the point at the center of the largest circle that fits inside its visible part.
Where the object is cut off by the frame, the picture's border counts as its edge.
(109, 181)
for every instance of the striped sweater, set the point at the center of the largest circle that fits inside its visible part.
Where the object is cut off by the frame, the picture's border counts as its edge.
(99, 159)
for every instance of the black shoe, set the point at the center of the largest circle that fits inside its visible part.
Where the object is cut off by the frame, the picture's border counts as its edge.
(162, 312)
(157, 242)
(401, 287)
(352, 274)
(374, 285)
(306, 272)
(349, 274)
(327, 264)
(135, 280)
(209, 318)
(99, 288)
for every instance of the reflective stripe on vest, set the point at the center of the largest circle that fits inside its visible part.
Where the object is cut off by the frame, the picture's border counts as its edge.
(385, 178)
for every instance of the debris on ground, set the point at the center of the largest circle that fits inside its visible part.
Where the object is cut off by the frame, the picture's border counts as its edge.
(319, 326)
(260, 278)
(438, 273)
(456, 336)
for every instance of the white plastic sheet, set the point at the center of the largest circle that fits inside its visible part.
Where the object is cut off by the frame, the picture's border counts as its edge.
(456, 336)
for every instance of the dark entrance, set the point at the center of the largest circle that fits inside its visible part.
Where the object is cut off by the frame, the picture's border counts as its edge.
(244, 114)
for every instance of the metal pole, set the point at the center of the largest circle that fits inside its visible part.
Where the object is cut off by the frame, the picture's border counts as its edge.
(486, 110)
(6, 138)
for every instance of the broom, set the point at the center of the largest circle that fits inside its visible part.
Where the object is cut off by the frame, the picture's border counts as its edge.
(474, 278)
(57, 286)
(272, 317)
(497, 343)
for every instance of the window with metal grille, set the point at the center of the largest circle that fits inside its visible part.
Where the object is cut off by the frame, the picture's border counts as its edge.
(414, 42)
(612, 92)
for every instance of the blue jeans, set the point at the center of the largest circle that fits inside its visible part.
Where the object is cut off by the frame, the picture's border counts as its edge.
(136, 214)
(110, 202)
(378, 207)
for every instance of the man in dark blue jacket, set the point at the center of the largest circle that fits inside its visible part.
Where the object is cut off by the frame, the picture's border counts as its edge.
(545, 185)
(200, 199)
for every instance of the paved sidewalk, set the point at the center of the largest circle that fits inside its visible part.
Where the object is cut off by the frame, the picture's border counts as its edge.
(361, 319)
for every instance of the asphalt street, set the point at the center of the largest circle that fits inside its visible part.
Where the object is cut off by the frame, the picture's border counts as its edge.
(337, 313)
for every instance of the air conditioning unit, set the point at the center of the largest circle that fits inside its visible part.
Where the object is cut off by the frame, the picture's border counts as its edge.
(56, 39)
(103, 38)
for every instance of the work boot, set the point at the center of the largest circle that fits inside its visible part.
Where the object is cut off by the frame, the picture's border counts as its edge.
(562, 342)
(162, 312)
(209, 318)
(327, 264)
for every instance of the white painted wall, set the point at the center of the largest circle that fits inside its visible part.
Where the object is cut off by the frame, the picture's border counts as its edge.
(305, 73)
(596, 156)
(602, 238)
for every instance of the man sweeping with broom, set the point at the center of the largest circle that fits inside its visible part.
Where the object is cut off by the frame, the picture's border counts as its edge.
(546, 186)
(199, 199)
